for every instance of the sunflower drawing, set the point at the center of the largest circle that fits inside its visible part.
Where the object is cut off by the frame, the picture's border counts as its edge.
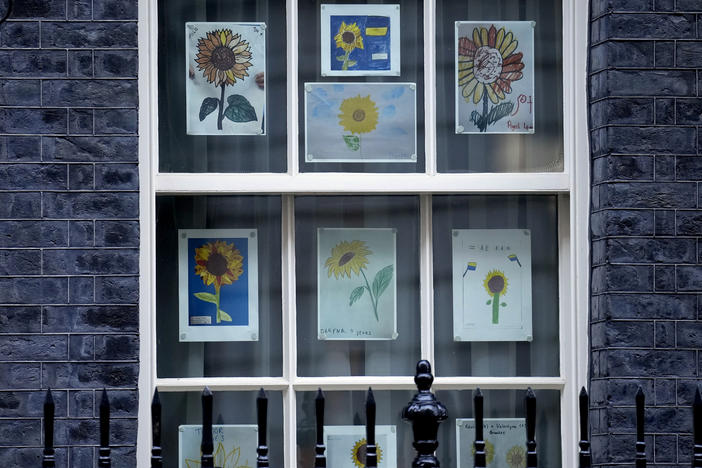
(222, 459)
(224, 58)
(218, 263)
(348, 39)
(488, 63)
(358, 115)
(358, 453)
(347, 257)
(495, 284)
(516, 457)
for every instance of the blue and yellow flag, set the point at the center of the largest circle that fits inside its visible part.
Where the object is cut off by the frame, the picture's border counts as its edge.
(471, 266)
(513, 258)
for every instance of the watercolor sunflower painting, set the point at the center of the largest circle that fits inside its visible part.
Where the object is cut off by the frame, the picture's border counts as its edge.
(225, 78)
(218, 284)
(356, 283)
(494, 77)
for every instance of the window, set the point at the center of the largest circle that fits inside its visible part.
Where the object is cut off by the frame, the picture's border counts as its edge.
(286, 210)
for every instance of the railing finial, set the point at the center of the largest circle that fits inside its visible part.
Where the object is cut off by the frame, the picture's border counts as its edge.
(207, 446)
(320, 461)
(640, 442)
(584, 455)
(262, 415)
(49, 455)
(530, 401)
(104, 456)
(371, 449)
(479, 444)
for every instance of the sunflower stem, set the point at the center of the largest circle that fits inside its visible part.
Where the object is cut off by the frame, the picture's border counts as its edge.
(496, 308)
(220, 117)
(373, 300)
(345, 66)
(485, 111)
(217, 289)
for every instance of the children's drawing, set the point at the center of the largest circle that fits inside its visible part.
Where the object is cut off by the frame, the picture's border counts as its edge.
(218, 284)
(356, 284)
(346, 446)
(234, 446)
(360, 40)
(360, 122)
(492, 285)
(504, 442)
(225, 78)
(495, 77)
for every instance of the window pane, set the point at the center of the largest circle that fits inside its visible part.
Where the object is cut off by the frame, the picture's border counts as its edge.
(538, 357)
(180, 152)
(412, 71)
(541, 151)
(363, 252)
(179, 408)
(223, 217)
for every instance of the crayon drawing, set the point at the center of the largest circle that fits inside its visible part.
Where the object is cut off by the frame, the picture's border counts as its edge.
(504, 442)
(346, 446)
(234, 445)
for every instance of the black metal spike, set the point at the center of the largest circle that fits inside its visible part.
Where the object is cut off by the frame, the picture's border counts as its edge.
(585, 457)
(371, 449)
(530, 400)
(262, 414)
(156, 458)
(207, 446)
(320, 460)
(479, 443)
(104, 455)
(640, 442)
(697, 428)
(49, 458)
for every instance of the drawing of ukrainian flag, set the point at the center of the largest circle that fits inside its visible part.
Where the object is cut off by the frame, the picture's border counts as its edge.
(513, 258)
(470, 267)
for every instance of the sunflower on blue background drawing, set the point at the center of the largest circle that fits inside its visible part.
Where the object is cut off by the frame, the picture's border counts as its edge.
(349, 38)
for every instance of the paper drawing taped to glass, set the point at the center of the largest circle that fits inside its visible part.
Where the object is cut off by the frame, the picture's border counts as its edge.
(225, 75)
(495, 77)
(218, 284)
(504, 442)
(346, 446)
(492, 285)
(234, 445)
(360, 40)
(360, 122)
(356, 284)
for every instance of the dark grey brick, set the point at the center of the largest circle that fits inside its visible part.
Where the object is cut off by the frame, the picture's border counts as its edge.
(82, 403)
(116, 233)
(81, 233)
(33, 63)
(81, 290)
(643, 83)
(689, 223)
(117, 289)
(622, 223)
(664, 222)
(689, 334)
(33, 290)
(87, 35)
(665, 393)
(19, 205)
(81, 348)
(42, 121)
(79, 9)
(80, 63)
(617, 391)
(89, 375)
(90, 319)
(90, 261)
(87, 93)
(621, 54)
(689, 111)
(650, 26)
(91, 205)
(115, 9)
(84, 149)
(622, 334)
(664, 277)
(664, 5)
(19, 456)
(622, 111)
(665, 111)
(664, 168)
(43, 9)
(689, 278)
(688, 168)
(34, 347)
(665, 54)
(622, 278)
(688, 5)
(20, 93)
(611, 168)
(647, 140)
(30, 404)
(19, 34)
(689, 54)
(20, 432)
(632, 363)
(122, 121)
(626, 250)
(20, 263)
(116, 63)
(80, 121)
(20, 319)
(116, 177)
(81, 176)
(649, 195)
(33, 233)
(123, 404)
(665, 334)
(33, 176)
(20, 149)
(20, 375)
(116, 347)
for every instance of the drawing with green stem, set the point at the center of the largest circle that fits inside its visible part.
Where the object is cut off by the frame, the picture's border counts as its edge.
(495, 284)
(347, 257)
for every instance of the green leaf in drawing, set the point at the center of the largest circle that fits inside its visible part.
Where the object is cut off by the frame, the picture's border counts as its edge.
(351, 63)
(223, 316)
(353, 142)
(382, 280)
(356, 294)
(209, 105)
(499, 111)
(340, 58)
(207, 297)
(239, 109)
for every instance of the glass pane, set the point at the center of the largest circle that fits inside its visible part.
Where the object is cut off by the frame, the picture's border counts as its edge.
(538, 357)
(226, 152)
(541, 151)
(179, 408)
(258, 356)
(390, 125)
(352, 245)
(502, 404)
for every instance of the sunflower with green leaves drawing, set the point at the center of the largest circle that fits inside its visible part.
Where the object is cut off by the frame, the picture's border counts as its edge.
(495, 284)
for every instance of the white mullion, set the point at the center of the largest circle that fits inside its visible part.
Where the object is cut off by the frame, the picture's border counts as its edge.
(289, 328)
(426, 278)
(221, 384)
(430, 86)
(351, 383)
(292, 81)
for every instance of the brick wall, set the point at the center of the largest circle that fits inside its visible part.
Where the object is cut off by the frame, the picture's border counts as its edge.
(68, 225)
(646, 219)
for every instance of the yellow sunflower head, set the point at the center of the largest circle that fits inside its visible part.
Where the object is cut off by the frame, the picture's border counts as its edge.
(358, 114)
(358, 453)
(495, 283)
(219, 263)
(349, 37)
(487, 64)
(223, 57)
(516, 457)
(489, 451)
(347, 257)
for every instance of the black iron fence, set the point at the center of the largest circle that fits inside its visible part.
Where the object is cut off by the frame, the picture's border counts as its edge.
(424, 413)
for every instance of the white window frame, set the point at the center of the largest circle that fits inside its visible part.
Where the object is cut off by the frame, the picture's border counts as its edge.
(572, 186)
